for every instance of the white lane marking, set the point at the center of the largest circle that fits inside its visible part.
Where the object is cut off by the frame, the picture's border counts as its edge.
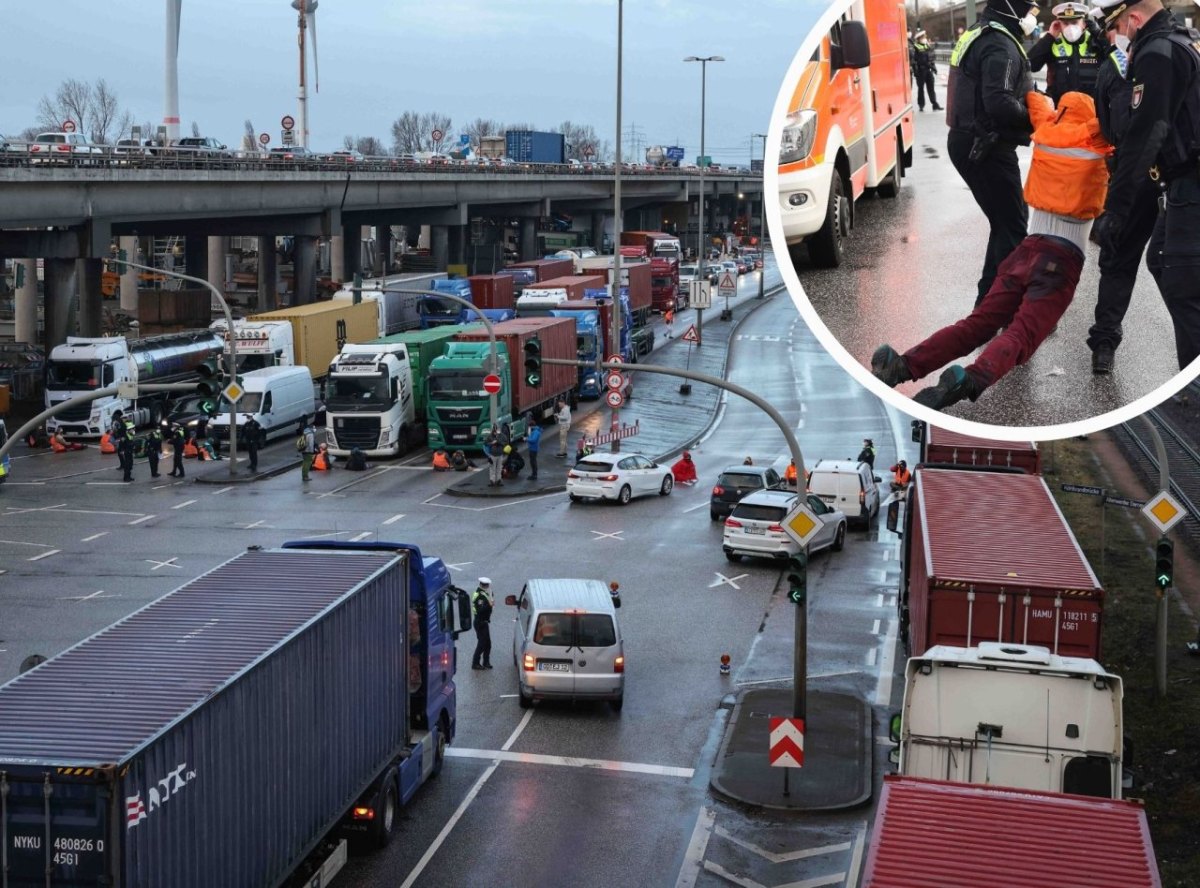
(416, 871)
(349, 484)
(695, 508)
(222, 490)
(255, 525)
(44, 555)
(362, 536)
(20, 543)
(140, 520)
(184, 503)
(566, 761)
(693, 858)
(460, 565)
(26, 483)
(887, 554)
(891, 603)
(93, 512)
(871, 656)
(879, 600)
(106, 483)
(99, 593)
(615, 535)
(722, 579)
(817, 882)
(875, 628)
(883, 690)
(333, 533)
(393, 519)
(504, 505)
(787, 856)
(860, 843)
(170, 562)
(94, 536)
(11, 510)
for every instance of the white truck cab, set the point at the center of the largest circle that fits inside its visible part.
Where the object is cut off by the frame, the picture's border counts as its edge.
(369, 401)
(261, 343)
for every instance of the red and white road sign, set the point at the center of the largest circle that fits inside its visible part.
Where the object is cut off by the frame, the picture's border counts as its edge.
(690, 335)
(614, 398)
(615, 380)
(437, 135)
(288, 122)
(264, 138)
(616, 359)
(491, 384)
(68, 126)
(787, 743)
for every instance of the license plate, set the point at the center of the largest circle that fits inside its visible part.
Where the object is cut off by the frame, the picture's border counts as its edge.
(553, 667)
(758, 530)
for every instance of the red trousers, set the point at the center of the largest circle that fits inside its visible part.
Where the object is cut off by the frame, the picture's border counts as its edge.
(1032, 289)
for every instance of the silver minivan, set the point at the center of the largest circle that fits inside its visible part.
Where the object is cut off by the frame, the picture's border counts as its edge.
(567, 642)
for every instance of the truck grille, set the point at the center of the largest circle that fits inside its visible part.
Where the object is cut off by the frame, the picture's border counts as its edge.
(78, 413)
(460, 436)
(459, 415)
(356, 431)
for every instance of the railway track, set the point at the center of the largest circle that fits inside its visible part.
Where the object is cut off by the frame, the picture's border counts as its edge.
(1183, 461)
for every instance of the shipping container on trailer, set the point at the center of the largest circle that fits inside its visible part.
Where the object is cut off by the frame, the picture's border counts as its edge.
(945, 447)
(557, 337)
(935, 834)
(423, 347)
(572, 285)
(492, 290)
(545, 269)
(320, 329)
(532, 146)
(988, 556)
(216, 736)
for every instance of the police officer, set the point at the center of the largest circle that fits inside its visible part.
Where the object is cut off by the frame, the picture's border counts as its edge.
(1162, 141)
(481, 605)
(123, 433)
(986, 113)
(924, 68)
(1070, 51)
(178, 443)
(154, 442)
(1119, 264)
(252, 430)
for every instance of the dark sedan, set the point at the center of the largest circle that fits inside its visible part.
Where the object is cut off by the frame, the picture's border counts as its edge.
(735, 482)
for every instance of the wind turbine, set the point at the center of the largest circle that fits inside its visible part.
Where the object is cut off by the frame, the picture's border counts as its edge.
(307, 19)
(171, 70)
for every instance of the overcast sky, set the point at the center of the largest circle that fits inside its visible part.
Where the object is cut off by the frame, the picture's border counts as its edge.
(536, 61)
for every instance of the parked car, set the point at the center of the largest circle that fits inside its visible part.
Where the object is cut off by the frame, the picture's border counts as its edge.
(755, 527)
(346, 157)
(13, 146)
(202, 146)
(296, 152)
(735, 482)
(617, 476)
(64, 148)
(129, 150)
(846, 485)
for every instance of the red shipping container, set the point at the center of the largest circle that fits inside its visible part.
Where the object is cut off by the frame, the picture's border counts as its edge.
(547, 269)
(574, 284)
(557, 336)
(949, 835)
(988, 556)
(492, 290)
(945, 447)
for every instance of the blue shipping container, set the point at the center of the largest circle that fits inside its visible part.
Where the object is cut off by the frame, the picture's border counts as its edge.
(529, 146)
(213, 737)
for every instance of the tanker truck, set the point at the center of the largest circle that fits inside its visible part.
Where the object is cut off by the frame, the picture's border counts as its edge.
(83, 364)
(664, 157)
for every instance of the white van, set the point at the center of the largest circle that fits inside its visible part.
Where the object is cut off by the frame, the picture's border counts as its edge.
(278, 397)
(567, 642)
(847, 486)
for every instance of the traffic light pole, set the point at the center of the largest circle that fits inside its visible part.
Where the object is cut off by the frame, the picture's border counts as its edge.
(1160, 622)
(230, 342)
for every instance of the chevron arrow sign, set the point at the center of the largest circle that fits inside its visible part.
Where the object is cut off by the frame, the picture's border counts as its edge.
(787, 743)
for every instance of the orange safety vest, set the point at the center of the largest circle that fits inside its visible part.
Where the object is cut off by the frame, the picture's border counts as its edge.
(903, 476)
(106, 444)
(1068, 175)
(321, 462)
(190, 450)
(57, 447)
(440, 462)
(790, 474)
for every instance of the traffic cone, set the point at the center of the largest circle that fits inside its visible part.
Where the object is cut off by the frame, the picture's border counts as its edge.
(724, 664)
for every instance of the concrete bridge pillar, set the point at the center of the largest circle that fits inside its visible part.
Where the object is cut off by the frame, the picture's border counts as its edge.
(26, 302)
(459, 236)
(129, 280)
(195, 257)
(305, 265)
(351, 251)
(60, 275)
(337, 258)
(598, 231)
(91, 296)
(218, 249)
(268, 273)
(527, 240)
(383, 249)
(439, 237)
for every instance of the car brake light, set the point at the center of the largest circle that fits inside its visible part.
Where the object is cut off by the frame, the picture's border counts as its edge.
(572, 475)
(775, 528)
(528, 662)
(608, 477)
(729, 522)
(619, 664)
(862, 496)
(718, 490)
(363, 813)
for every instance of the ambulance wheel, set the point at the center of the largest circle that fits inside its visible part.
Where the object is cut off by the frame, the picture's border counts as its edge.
(825, 248)
(890, 186)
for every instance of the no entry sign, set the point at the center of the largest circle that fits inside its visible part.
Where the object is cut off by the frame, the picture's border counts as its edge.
(787, 743)
(491, 384)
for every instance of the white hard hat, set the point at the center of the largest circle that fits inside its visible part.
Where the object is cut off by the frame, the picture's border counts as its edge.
(484, 581)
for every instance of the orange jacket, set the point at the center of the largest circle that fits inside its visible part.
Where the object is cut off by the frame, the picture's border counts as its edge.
(1068, 175)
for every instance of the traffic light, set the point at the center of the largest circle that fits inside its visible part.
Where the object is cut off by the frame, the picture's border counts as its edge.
(212, 378)
(797, 577)
(1164, 563)
(533, 362)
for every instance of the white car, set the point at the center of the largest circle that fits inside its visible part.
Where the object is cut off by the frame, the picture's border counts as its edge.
(617, 476)
(755, 527)
(64, 148)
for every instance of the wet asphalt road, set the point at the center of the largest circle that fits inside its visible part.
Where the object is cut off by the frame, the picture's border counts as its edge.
(911, 268)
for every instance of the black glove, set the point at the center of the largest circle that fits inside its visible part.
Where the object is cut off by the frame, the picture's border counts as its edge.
(1107, 231)
(1098, 38)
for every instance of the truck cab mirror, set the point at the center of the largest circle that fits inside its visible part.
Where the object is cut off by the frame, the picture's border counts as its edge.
(894, 756)
(854, 50)
(893, 516)
(894, 729)
(918, 431)
(464, 610)
(878, 480)
(510, 599)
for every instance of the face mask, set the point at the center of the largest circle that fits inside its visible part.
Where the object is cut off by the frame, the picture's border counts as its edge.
(1028, 24)
(1121, 42)
(1072, 32)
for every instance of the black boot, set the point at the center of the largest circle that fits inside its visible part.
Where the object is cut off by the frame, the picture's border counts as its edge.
(1102, 360)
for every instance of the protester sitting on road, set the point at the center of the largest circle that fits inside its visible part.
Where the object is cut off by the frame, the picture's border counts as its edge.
(61, 445)
(205, 449)
(459, 461)
(322, 462)
(356, 461)
(441, 462)
(901, 476)
(38, 438)
(513, 463)
(684, 470)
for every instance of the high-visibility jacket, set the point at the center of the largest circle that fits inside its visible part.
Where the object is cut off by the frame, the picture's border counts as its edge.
(902, 476)
(1068, 175)
(440, 462)
(789, 474)
(106, 443)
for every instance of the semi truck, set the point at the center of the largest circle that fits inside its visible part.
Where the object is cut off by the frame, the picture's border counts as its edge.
(369, 401)
(932, 832)
(245, 730)
(261, 343)
(398, 297)
(664, 253)
(988, 556)
(437, 312)
(593, 337)
(84, 364)
(1012, 715)
(667, 157)
(637, 280)
(320, 329)
(560, 289)
(944, 447)
(494, 291)
(530, 146)
(459, 408)
(546, 269)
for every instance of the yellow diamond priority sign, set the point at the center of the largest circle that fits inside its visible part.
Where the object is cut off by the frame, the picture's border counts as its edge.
(233, 392)
(800, 523)
(1164, 511)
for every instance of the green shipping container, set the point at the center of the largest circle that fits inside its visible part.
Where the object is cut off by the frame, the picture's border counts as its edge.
(423, 347)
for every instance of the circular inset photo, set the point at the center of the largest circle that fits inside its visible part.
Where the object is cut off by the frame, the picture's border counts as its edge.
(985, 220)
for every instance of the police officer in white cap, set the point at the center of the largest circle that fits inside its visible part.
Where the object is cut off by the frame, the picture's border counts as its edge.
(1071, 51)
(1162, 142)
(481, 606)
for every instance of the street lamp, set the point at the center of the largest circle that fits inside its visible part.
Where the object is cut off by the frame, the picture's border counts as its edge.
(614, 284)
(762, 220)
(703, 257)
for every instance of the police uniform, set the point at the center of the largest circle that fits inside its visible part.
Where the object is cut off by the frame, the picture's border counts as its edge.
(481, 607)
(1118, 264)
(1162, 142)
(986, 113)
(1071, 65)
(154, 441)
(924, 68)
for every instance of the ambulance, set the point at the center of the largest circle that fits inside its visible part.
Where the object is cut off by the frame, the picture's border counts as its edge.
(849, 128)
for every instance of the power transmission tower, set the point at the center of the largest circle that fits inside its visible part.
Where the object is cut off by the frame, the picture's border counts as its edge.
(634, 137)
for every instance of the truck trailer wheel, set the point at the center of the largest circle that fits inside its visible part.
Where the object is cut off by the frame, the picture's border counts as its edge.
(383, 827)
(825, 248)
(439, 750)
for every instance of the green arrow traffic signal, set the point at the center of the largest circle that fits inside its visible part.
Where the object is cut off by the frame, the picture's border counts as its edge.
(797, 577)
(1164, 563)
(533, 362)
(212, 378)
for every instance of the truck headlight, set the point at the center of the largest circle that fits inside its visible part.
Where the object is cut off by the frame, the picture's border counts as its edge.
(385, 437)
(798, 136)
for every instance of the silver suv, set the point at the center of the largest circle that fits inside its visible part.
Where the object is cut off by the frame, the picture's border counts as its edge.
(755, 527)
(201, 145)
